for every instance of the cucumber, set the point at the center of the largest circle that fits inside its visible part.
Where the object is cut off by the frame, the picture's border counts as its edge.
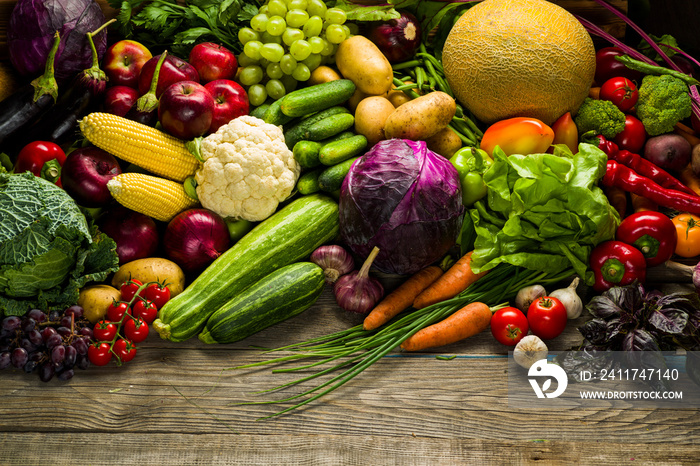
(329, 126)
(317, 97)
(297, 132)
(274, 115)
(306, 153)
(308, 182)
(331, 179)
(259, 111)
(289, 235)
(341, 150)
(278, 296)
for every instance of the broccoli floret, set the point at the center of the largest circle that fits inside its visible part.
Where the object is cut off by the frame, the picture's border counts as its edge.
(663, 102)
(601, 116)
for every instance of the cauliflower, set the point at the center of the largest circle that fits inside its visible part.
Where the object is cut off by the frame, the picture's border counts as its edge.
(663, 102)
(247, 171)
(601, 116)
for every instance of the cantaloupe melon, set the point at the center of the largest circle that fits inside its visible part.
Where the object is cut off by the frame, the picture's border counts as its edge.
(509, 58)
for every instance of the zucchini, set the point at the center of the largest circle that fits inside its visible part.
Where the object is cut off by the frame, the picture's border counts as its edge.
(289, 235)
(341, 150)
(318, 97)
(331, 179)
(297, 132)
(278, 296)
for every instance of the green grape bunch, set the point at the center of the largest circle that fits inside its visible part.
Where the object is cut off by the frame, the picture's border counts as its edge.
(285, 42)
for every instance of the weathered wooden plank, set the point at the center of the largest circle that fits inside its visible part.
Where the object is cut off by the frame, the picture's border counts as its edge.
(305, 450)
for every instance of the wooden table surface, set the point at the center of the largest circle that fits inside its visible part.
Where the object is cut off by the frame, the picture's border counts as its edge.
(174, 404)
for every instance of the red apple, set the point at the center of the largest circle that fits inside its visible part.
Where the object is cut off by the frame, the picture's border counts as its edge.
(119, 99)
(186, 109)
(122, 62)
(230, 101)
(173, 69)
(213, 61)
(85, 174)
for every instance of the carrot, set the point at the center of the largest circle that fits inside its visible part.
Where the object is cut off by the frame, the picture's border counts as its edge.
(690, 179)
(401, 298)
(455, 280)
(470, 320)
(687, 133)
(642, 204)
(618, 199)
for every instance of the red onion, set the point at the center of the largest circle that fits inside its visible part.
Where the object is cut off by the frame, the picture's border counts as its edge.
(136, 234)
(195, 237)
(85, 174)
(398, 39)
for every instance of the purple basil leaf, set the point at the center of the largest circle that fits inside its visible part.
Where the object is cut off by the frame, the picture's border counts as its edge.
(575, 362)
(594, 331)
(639, 340)
(669, 320)
(603, 307)
(613, 329)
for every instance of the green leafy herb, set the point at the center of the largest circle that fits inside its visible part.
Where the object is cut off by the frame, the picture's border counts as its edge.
(178, 26)
(544, 211)
(47, 250)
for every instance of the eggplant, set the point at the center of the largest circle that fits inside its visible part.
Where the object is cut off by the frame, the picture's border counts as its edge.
(145, 110)
(30, 102)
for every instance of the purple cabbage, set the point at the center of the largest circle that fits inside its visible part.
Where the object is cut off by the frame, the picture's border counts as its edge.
(404, 199)
(33, 24)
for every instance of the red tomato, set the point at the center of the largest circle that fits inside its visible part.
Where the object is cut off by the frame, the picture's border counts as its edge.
(129, 289)
(547, 317)
(125, 350)
(633, 137)
(116, 311)
(157, 294)
(104, 330)
(145, 309)
(34, 155)
(509, 325)
(621, 91)
(100, 354)
(136, 329)
(606, 66)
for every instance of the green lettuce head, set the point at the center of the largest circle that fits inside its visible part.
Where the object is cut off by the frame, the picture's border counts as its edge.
(47, 249)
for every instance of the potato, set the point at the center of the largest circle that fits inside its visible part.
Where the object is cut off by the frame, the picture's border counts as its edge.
(95, 300)
(445, 142)
(360, 61)
(152, 269)
(355, 99)
(323, 74)
(370, 115)
(397, 98)
(421, 118)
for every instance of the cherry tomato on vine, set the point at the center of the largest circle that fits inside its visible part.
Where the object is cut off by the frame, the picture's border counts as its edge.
(158, 294)
(145, 309)
(125, 350)
(104, 330)
(136, 329)
(621, 91)
(129, 289)
(547, 317)
(633, 137)
(116, 310)
(688, 233)
(99, 353)
(509, 325)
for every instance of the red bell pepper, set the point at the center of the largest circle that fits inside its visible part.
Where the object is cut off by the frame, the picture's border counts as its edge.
(642, 166)
(627, 179)
(653, 233)
(42, 158)
(615, 263)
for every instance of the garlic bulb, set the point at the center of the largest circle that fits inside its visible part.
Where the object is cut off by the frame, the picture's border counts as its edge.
(357, 291)
(529, 350)
(527, 295)
(334, 260)
(570, 299)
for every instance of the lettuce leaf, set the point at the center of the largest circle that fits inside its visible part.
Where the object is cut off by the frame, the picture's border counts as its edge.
(543, 212)
(47, 249)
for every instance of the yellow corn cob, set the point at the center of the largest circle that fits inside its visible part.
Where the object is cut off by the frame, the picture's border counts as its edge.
(156, 197)
(146, 147)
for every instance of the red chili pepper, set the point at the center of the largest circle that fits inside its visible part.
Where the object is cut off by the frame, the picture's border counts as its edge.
(37, 158)
(653, 233)
(642, 166)
(627, 179)
(615, 263)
